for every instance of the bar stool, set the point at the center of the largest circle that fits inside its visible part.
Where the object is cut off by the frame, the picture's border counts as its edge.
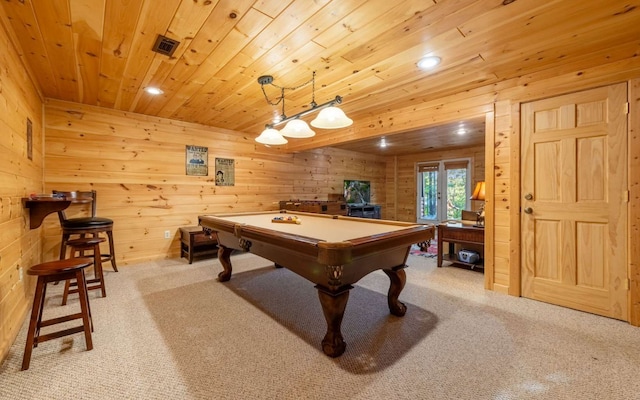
(82, 226)
(54, 271)
(81, 245)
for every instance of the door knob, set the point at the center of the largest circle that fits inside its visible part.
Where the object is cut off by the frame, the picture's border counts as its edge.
(528, 210)
(528, 196)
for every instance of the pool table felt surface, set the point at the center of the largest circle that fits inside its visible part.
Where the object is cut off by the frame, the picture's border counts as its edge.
(320, 227)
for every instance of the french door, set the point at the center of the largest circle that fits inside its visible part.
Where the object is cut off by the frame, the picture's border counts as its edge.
(443, 188)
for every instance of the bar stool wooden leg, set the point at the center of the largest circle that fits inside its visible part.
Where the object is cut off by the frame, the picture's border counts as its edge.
(63, 245)
(97, 266)
(36, 315)
(65, 294)
(112, 251)
(87, 320)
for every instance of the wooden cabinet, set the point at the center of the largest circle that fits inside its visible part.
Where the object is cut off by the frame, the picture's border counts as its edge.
(315, 206)
(194, 242)
(364, 211)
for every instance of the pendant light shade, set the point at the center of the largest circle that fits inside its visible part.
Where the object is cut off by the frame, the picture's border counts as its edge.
(331, 118)
(297, 128)
(271, 136)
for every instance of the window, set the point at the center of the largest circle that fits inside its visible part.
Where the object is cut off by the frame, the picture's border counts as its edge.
(443, 189)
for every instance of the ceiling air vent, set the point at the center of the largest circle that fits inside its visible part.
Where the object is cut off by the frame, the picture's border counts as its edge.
(165, 46)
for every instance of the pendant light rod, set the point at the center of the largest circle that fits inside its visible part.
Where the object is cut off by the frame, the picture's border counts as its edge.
(314, 108)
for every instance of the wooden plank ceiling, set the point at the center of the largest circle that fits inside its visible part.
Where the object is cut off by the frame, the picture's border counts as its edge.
(98, 52)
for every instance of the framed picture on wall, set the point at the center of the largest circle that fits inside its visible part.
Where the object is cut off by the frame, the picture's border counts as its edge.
(197, 160)
(225, 172)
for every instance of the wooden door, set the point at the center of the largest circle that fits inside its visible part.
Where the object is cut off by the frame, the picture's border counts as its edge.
(574, 206)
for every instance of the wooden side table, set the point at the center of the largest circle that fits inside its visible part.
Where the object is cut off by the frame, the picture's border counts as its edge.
(194, 242)
(458, 233)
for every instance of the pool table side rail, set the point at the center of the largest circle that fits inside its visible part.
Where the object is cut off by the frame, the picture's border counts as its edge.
(411, 234)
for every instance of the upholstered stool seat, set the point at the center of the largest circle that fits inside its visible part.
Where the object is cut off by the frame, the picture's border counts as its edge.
(78, 247)
(84, 222)
(54, 271)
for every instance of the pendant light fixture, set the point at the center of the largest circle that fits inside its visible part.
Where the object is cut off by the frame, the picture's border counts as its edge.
(271, 136)
(329, 117)
(297, 128)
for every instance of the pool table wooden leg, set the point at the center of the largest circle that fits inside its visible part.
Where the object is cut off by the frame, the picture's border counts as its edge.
(224, 255)
(398, 279)
(333, 306)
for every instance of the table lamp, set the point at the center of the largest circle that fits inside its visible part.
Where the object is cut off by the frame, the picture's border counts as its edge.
(478, 194)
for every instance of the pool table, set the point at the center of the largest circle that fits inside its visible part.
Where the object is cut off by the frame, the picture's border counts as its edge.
(332, 251)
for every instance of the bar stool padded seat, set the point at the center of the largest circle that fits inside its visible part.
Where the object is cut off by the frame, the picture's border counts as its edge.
(86, 222)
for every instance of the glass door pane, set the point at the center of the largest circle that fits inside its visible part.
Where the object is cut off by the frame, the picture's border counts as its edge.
(456, 193)
(430, 195)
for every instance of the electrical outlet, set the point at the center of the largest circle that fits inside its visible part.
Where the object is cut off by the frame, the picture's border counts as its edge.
(167, 234)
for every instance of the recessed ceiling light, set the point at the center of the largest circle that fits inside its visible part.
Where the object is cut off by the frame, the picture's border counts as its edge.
(428, 62)
(383, 143)
(461, 131)
(153, 90)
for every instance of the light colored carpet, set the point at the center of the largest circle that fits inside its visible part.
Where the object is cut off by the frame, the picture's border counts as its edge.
(170, 330)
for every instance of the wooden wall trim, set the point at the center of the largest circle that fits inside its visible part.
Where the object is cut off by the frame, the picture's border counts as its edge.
(514, 206)
(489, 229)
(395, 186)
(634, 202)
(501, 196)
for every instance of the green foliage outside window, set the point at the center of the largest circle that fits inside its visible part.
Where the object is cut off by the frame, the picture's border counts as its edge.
(456, 193)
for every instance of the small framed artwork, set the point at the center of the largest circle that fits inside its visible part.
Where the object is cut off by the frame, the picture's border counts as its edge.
(29, 139)
(197, 160)
(225, 172)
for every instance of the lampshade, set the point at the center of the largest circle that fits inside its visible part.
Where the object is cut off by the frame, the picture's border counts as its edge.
(271, 136)
(478, 192)
(331, 118)
(297, 128)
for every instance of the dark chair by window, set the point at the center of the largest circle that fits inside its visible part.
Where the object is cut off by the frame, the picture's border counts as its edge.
(83, 226)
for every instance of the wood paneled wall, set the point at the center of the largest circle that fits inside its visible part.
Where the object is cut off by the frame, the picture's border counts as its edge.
(136, 164)
(20, 247)
(401, 184)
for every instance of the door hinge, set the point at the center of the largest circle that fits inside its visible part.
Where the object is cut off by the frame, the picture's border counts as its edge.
(627, 284)
(626, 107)
(625, 196)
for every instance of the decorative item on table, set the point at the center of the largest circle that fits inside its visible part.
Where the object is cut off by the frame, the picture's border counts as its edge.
(292, 219)
(38, 196)
(469, 256)
(479, 194)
